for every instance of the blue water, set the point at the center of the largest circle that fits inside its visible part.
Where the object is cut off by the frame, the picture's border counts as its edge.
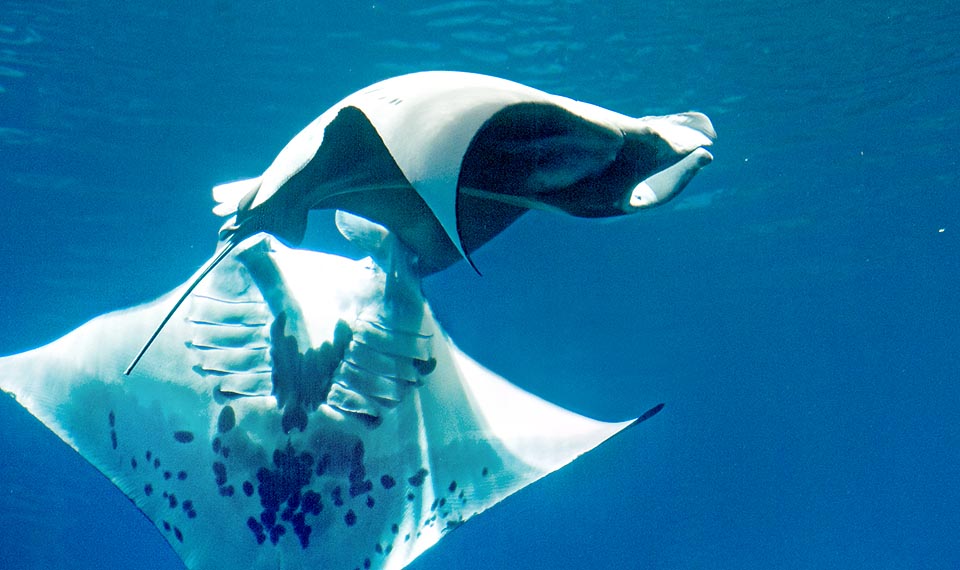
(796, 309)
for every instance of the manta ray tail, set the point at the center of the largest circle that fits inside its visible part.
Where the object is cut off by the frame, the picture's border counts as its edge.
(197, 278)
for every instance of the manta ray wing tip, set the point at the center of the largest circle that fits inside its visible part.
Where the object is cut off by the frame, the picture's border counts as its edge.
(648, 414)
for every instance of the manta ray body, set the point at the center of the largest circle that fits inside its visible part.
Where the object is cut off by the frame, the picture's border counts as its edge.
(303, 409)
(447, 160)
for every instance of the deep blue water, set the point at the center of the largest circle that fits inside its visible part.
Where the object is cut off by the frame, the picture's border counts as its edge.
(797, 308)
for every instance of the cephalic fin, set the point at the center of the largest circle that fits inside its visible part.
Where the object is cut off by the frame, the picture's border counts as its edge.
(228, 196)
(198, 277)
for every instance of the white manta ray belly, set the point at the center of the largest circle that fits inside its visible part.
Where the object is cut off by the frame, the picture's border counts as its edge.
(307, 411)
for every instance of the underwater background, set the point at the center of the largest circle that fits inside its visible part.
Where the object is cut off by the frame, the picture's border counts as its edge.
(796, 308)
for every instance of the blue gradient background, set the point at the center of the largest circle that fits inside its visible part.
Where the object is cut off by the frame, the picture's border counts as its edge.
(796, 308)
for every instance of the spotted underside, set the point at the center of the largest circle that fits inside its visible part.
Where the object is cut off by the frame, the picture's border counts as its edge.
(303, 410)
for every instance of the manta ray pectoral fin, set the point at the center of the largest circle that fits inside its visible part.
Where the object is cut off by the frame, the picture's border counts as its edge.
(202, 439)
(544, 436)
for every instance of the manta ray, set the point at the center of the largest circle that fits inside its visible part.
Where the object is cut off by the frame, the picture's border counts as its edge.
(302, 409)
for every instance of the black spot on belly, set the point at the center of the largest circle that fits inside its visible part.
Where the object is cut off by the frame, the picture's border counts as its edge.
(226, 420)
(227, 491)
(167, 475)
(485, 472)
(133, 462)
(112, 418)
(113, 439)
(418, 477)
(302, 530)
(350, 518)
(366, 563)
(311, 503)
(337, 496)
(220, 472)
(257, 528)
(394, 528)
(183, 436)
(453, 486)
(388, 482)
(216, 445)
(301, 381)
(282, 488)
(156, 463)
(178, 534)
(254, 525)
(370, 502)
(166, 526)
(148, 489)
(341, 454)
(411, 497)
(247, 488)
(293, 418)
(173, 501)
(425, 367)
(149, 455)
(378, 548)
(182, 475)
